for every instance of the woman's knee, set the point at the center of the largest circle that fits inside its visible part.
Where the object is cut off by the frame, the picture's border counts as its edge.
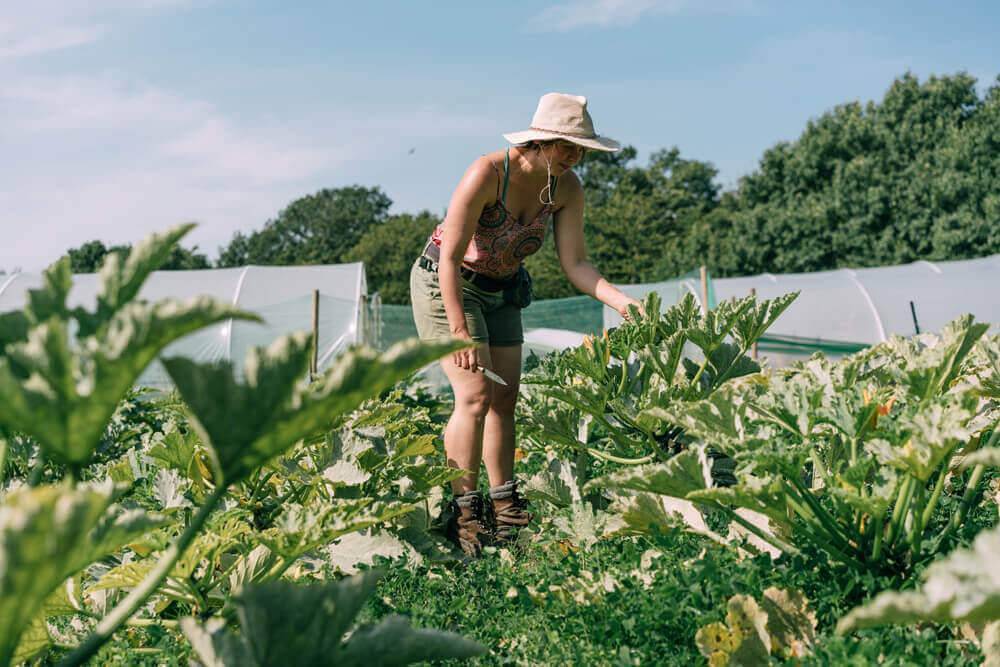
(475, 404)
(504, 400)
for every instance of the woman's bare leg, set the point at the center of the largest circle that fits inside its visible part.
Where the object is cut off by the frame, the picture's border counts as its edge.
(498, 432)
(463, 436)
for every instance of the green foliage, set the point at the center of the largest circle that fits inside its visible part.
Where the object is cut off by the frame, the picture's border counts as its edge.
(780, 625)
(249, 423)
(47, 534)
(608, 396)
(320, 228)
(961, 587)
(543, 607)
(280, 619)
(63, 374)
(389, 249)
(910, 177)
(89, 257)
(852, 458)
(62, 390)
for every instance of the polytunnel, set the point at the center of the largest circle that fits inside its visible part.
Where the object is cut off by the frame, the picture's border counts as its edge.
(844, 310)
(281, 295)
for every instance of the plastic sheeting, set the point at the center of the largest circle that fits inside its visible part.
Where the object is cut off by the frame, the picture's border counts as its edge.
(281, 295)
(843, 310)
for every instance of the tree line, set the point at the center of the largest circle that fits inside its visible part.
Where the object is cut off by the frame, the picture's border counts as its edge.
(913, 176)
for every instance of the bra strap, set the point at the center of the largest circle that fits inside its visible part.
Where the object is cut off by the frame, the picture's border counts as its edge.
(506, 176)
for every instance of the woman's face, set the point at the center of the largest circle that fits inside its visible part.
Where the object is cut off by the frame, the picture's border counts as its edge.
(563, 155)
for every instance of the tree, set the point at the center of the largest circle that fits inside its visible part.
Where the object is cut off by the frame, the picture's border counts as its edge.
(89, 257)
(316, 229)
(912, 177)
(182, 259)
(388, 250)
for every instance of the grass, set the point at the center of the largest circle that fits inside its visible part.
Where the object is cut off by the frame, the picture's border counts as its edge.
(489, 600)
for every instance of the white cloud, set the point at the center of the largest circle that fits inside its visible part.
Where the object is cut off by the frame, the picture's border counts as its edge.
(607, 13)
(105, 157)
(42, 26)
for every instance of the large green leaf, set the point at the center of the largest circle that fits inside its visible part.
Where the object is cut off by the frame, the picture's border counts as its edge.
(989, 457)
(247, 423)
(759, 494)
(718, 420)
(759, 317)
(48, 533)
(280, 619)
(934, 433)
(73, 389)
(688, 471)
(714, 327)
(781, 625)
(932, 367)
(62, 374)
(302, 529)
(13, 328)
(964, 586)
(49, 300)
(121, 279)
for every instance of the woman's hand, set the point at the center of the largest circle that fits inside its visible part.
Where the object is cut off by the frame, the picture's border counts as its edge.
(622, 307)
(469, 357)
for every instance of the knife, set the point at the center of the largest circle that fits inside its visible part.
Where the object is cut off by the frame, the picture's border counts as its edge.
(492, 376)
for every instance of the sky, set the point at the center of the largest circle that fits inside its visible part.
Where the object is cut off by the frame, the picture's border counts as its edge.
(122, 117)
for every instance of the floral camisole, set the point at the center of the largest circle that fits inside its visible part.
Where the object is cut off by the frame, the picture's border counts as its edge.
(500, 242)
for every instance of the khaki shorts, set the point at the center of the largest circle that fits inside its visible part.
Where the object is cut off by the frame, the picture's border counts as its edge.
(490, 319)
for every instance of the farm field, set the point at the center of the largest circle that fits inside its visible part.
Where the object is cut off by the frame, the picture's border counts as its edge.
(690, 505)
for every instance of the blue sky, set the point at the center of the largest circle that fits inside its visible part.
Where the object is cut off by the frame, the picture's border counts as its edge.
(120, 117)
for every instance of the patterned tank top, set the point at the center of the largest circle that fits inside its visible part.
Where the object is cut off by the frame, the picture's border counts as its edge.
(501, 242)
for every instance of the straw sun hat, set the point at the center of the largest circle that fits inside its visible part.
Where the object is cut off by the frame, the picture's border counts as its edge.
(561, 116)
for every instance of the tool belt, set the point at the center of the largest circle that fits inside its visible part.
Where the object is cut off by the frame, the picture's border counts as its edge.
(431, 258)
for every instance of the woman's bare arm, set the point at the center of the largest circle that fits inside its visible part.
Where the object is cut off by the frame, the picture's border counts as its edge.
(571, 248)
(475, 191)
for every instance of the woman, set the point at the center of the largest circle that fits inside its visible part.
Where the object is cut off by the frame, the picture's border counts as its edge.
(469, 283)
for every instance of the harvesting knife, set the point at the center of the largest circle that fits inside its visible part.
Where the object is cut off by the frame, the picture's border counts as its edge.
(491, 375)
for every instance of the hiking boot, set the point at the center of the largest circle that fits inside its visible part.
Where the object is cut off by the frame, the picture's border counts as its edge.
(467, 522)
(510, 513)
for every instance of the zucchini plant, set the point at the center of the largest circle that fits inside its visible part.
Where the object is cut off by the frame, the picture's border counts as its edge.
(63, 371)
(861, 459)
(596, 398)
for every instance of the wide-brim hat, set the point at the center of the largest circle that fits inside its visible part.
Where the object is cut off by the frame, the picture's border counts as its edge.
(561, 116)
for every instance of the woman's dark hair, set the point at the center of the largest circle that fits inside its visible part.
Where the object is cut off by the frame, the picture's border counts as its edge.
(536, 144)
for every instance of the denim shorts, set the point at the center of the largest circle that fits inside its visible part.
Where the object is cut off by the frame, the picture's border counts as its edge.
(490, 319)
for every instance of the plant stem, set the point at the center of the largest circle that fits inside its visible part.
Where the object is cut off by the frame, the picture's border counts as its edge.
(149, 622)
(822, 515)
(925, 518)
(916, 498)
(616, 433)
(899, 511)
(773, 540)
(701, 369)
(970, 493)
(818, 532)
(618, 459)
(138, 595)
(623, 379)
(879, 534)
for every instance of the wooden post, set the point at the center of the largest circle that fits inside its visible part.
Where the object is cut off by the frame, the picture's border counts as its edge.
(753, 347)
(314, 358)
(704, 289)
